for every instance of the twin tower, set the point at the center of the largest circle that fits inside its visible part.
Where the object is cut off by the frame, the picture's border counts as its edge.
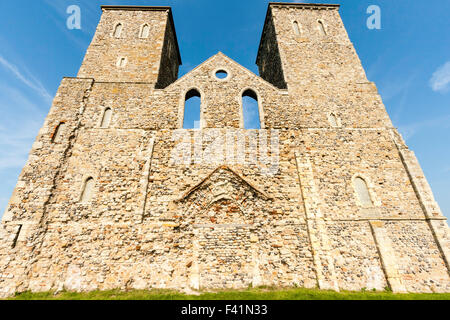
(116, 194)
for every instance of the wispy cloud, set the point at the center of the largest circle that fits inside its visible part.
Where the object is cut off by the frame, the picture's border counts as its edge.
(409, 130)
(440, 81)
(28, 79)
(399, 88)
(20, 125)
(90, 11)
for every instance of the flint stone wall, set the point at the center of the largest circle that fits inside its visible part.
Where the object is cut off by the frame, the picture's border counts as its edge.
(171, 208)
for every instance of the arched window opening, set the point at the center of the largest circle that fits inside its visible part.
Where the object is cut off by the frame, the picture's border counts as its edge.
(192, 109)
(57, 134)
(333, 120)
(106, 120)
(250, 106)
(363, 192)
(118, 30)
(88, 189)
(145, 31)
(296, 28)
(322, 28)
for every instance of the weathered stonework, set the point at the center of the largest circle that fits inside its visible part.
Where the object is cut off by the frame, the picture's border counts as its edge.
(153, 222)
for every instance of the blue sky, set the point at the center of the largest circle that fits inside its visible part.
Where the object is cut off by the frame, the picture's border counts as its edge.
(408, 59)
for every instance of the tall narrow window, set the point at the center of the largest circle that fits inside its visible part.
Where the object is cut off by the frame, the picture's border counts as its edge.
(250, 108)
(192, 109)
(145, 31)
(118, 30)
(88, 188)
(296, 28)
(106, 120)
(333, 120)
(169, 49)
(363, 192)
(16, 238)
(322, 28)
(57, 134)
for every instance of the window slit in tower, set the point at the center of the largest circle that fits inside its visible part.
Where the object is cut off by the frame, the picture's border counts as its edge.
(363, 192)
(122, 62)
(88, 188)
(250, 106)
(322, 28)
(296, 28)
(192, 109)
(145, 32)
(58, 132)
(106, 120)
(333, 120)
(118, 30)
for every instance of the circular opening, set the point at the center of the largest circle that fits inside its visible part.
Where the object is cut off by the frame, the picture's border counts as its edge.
(221, 74)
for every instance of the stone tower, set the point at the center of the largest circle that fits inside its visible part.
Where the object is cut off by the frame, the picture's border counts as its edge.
(116, 194)
(142, 44)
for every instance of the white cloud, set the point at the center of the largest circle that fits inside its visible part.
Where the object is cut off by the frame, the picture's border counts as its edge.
(440, 81)
(29, 80)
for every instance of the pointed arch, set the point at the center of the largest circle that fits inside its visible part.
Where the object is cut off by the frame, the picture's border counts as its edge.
(106, 119)
(87, 190)
(192, 109)
(145, 31)
(118, 30)
(362, 191)
(251, 110)
(59, 130)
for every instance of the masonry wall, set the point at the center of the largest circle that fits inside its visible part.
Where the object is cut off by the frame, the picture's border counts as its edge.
(143, 56)
(169, 210)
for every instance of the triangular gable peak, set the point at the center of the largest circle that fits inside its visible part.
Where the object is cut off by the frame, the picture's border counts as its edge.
(212, 60)
(257, 190)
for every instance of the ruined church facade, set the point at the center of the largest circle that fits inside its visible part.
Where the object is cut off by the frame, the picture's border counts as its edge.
(116, 194)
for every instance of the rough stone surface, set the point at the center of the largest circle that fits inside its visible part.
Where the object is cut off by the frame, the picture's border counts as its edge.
(153, 222)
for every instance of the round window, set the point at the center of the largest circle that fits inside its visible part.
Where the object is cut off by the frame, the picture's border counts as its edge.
(221, 74)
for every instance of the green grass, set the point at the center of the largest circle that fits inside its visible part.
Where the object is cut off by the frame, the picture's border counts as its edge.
(262, 293)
